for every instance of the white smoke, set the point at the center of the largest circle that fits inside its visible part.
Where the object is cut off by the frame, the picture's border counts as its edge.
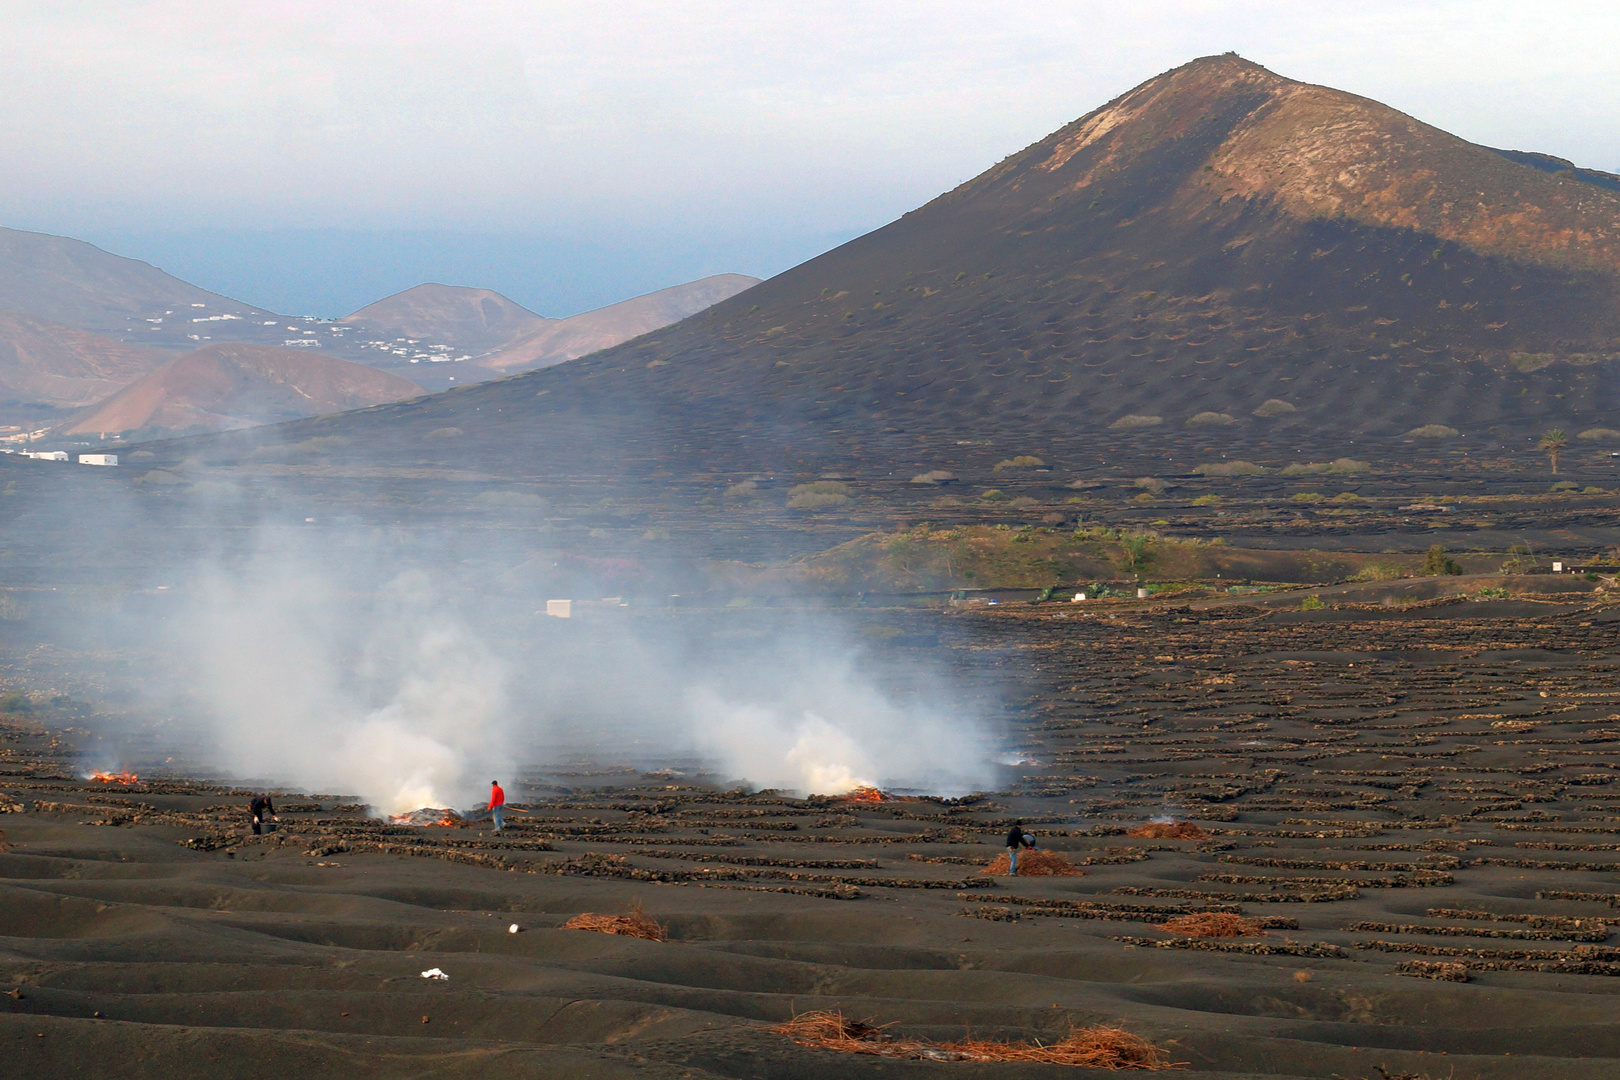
(388, 697)
(317, 663)
(828, 730)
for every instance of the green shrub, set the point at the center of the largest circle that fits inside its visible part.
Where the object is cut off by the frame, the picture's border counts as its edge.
(1022, 461)
(1337, 465)
(1206, 500)
(1599, 434)
(1432, 431)
(1307, 496)
(1230, 468)
(1274, 407)
(1490, 592)
(1346, 497)
(1312, 603)
(934, 476)
(1211, 419)
(995, 495)
(1136, 420)
(818, 495)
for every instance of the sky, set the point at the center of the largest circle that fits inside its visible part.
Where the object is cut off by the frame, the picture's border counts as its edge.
(312, 157)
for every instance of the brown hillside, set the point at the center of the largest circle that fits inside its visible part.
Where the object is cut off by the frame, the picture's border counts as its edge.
(477, 320)
(46, 364)
(232, 386)
(580, 335)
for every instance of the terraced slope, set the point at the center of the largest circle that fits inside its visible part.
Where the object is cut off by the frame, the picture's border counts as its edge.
(1412, 804)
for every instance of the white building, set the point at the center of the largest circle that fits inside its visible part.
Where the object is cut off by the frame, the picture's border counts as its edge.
(98, 459)
(46, 455)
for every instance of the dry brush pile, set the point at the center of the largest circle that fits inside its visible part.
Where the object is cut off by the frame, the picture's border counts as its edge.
(1092, 1048)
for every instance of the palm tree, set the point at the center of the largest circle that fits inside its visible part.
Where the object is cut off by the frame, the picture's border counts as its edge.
(1552, 444)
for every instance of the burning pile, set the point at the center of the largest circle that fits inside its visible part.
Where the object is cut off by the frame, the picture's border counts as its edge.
(868, 795)
(1094, 1048)
(1168, 830)
(1036, 862)
(430, 815)
(123, 776)
(1212, 924)
(636, 924)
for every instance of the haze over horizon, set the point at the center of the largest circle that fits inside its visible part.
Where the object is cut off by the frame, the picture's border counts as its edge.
(311, 160)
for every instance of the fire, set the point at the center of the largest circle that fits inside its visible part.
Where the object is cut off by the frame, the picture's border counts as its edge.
(428, 816)
(868, 795)
(123, 776)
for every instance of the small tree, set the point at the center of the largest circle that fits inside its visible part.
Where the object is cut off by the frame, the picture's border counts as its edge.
(1552, 444)
(1436, 563)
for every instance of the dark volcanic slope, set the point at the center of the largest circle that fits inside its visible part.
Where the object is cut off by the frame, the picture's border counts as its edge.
(1215, 239)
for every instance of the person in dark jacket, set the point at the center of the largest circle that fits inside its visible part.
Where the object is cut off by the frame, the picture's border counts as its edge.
(1017, 838)
(262, 809)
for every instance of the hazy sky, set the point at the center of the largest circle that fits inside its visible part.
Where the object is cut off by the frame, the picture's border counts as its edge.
(311, 157)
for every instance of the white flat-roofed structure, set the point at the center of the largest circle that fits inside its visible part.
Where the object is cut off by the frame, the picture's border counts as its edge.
(98, 459)
(560, 609)
(46, 455)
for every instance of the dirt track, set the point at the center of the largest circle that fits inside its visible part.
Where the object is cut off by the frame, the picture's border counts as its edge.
(1427, 785)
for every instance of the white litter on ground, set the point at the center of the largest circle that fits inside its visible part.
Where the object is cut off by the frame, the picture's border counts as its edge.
(434, 973)
(512, 929)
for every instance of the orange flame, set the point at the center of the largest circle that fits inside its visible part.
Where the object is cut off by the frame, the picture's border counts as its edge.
(123, 776)
(868, 795)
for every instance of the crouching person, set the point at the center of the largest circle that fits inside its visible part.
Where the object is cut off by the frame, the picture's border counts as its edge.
(263, 812)
(1017, 838)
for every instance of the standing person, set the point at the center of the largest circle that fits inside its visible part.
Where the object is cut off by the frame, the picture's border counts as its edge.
(1017, 838)
(497, 804)
(261, 808)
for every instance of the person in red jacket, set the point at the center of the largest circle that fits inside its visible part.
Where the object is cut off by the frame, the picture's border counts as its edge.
(497, 804)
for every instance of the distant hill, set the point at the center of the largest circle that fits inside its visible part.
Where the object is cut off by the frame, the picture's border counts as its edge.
(1220, 258)
(45, 366)
(505, 337)
(564, 339)
(477, 320)
(77, 323)
(232, 385)
(77, 284)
